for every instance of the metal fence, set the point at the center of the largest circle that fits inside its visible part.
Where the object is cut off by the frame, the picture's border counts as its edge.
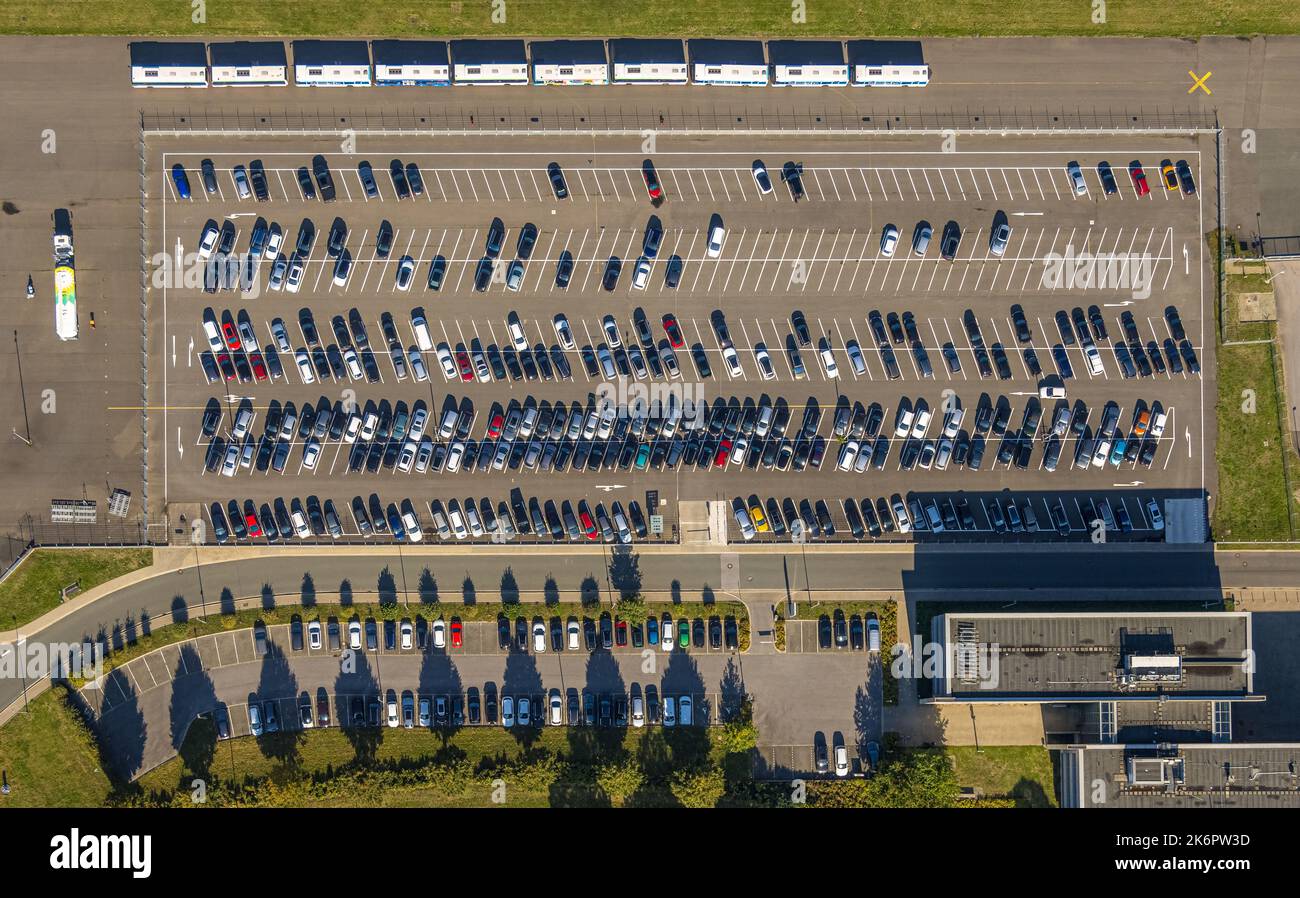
(696, 118)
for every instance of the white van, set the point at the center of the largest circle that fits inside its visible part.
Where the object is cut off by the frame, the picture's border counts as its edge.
(420, 328)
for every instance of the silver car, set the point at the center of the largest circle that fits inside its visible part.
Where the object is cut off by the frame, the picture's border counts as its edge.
(999, 238)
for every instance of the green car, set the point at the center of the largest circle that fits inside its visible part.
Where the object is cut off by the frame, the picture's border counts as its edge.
(643, 456)
(684, 633)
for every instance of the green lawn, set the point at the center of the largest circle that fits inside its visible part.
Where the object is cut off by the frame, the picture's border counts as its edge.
(49, 757)
(1252, 499)
(408, 18)
(1019, 772)
(35, 587)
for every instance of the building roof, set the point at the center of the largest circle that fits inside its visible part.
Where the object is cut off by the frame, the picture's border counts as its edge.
(480, 52)
(1221, 774)
(591, 52)
(250, 53)
(1084, 656)
(330, 53)
(389, 52)
(885, 53)
(163, 53)
(639, 50)
(805, 52)
(727, 52)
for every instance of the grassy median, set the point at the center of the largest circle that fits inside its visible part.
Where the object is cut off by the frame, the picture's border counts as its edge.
(49, 758)
(1020, 773)
(408, 18)
(36, 586)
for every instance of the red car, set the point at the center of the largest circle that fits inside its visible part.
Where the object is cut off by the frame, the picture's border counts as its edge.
(651, 180)
(227, 366)
(674, 332)
(494, 426)
(463, 363)
(254, 528)
(230, 335)
(620, 632)
(259, 365)
(724, 452)
(1139, 178)
(456, 633)
(588, 526)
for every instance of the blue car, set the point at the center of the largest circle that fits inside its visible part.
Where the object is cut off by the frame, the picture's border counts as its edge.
(181, 180)
(652, 630)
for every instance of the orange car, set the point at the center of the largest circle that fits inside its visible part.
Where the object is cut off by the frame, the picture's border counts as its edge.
(1141, 423)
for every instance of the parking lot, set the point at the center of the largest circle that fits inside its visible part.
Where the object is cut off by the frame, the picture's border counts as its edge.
(887, 332)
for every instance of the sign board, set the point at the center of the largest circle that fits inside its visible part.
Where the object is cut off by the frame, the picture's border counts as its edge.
(656, 524)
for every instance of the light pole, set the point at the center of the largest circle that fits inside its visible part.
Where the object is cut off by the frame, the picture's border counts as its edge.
(22, 390)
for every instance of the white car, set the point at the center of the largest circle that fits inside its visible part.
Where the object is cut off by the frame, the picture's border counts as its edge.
(254, 719)
(563, 333)
(1103, 452)
(903, 425)
(392, 712)
(573, 634)
(406, 631)
(353, 428)
(342, 268)
(828, 360)
(516, 330)
(353, 364)
(641, 274)
(507, 711)
(304, 366)
(310, 455)
(889, 241)
(445, 360)
(539, 637)
(1155, 516)
(638, 711)
(300, 528)
(440, 634)
(1158, 423)
(354, 635)
(952, 422)
(414, 532)
(743, 522)
(273, 243)
(405, 273)
(921, 424)
(214, 336)
(525, 711)
(208, 240)
(900, 515)
(455, 454)
(733, 361)
(313, 634)
(557, 708)
(848, 455)
(406, 457)
(761, 177)
(296, 271)
(420, 328)
(841, 761)
(716, 236)
(764, 362)
(610, 326)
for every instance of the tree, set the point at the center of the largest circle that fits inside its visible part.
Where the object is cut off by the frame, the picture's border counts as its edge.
(702, 788)
(620, 780)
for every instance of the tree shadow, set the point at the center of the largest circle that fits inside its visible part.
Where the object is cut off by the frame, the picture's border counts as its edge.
(387, 587)
(277, 681)
(193, 694)
(268, 597)
(467, 592)
(509, 587)
(589, 591)
(180, 610)
(355, 687)
(551, 591)
(428, 587)
(625, 571)
(521, 678)
(227, 601)
(345, 593)
(439, 678)
(308, 591)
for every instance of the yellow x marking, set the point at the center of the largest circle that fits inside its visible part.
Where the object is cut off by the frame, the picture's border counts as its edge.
(1199, 81)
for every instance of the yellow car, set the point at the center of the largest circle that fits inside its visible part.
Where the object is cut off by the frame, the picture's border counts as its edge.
(757, 518)
(1169, 175)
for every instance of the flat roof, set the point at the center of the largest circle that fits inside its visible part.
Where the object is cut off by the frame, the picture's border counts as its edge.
(1084, 655)
(394, 52)
(479, 52)
(885, 53)
(637, 50)
(248, 53)
(805, 52)
(161, 53)
(1224, 774)
(586, 52)
(313, 52)
(727, 52)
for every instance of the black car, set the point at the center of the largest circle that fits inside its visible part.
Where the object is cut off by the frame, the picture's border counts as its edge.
(210, 176)
(527, 240)
(496, 235)
(556, 175)
(1063, 325)
(951, 240)
(800, 325)
(613, 268)
(1189, 356)
(483, 274)
(824, 632)
(1098, 323)
(324, 180)
(564, 269)
(1108, 184)
(257, 174)
(792, 175)
(397, 173)
(414, 179)
(337, 238)
(1021, 324)
(673, 272)
(1175, 324)
(305, 183)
